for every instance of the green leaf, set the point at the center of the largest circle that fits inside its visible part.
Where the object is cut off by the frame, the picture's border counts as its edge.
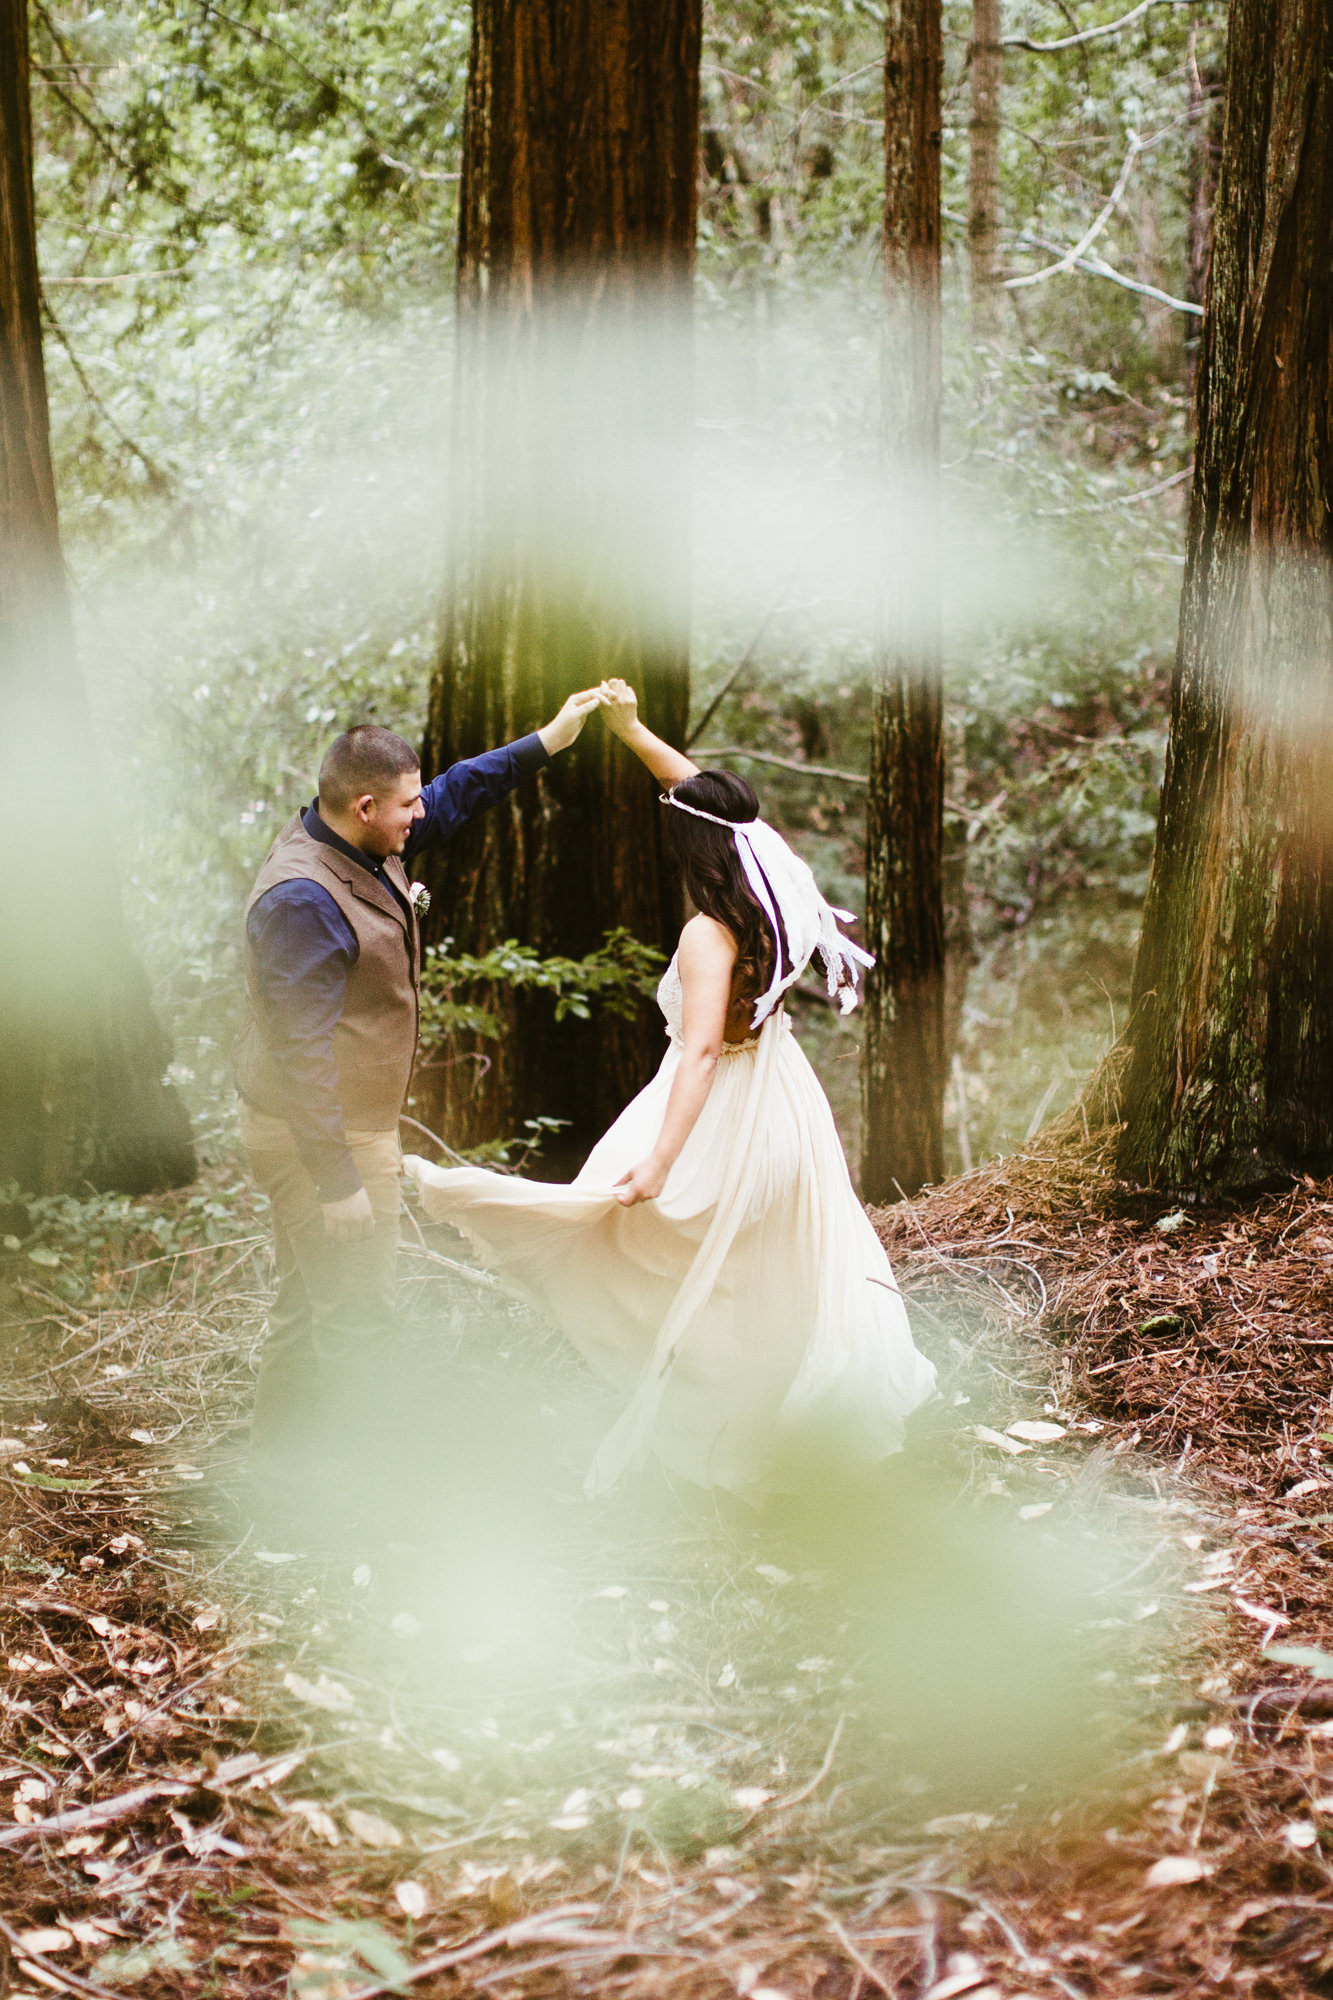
(382, 1955)
(1320, 1664)
(53, 1485)
(46, 1258)
(364, 1940)
(127, 1965)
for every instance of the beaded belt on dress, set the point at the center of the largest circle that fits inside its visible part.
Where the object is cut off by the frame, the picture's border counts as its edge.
(735, 1048)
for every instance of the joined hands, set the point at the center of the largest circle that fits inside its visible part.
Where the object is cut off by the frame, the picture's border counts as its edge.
(620, 707)
(563, 728)
(616, 699)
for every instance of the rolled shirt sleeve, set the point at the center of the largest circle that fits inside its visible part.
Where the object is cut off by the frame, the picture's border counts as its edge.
(302, 948)
(470, 786)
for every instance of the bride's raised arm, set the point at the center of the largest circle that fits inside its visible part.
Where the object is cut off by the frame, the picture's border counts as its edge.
(620, 708)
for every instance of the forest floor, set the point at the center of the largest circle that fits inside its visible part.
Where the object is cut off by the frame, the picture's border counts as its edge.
(1012, 1720)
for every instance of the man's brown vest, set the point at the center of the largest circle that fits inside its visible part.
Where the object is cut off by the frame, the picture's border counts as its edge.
(375, 1042)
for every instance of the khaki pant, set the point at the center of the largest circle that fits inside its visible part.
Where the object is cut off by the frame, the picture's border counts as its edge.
(328, 1357)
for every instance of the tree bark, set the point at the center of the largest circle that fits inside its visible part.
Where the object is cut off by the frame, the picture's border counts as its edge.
(983, 167)
(1205, 107)
(1230, 1085)
(82, 1102)
(569, 555)
(904, 1063)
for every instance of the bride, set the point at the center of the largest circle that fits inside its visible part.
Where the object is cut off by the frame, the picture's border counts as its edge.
(711, 1259)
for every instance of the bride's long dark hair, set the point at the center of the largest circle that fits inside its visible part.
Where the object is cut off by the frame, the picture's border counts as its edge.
(714, 877)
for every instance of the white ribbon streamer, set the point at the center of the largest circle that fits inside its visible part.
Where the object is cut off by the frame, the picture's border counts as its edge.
(803, 924)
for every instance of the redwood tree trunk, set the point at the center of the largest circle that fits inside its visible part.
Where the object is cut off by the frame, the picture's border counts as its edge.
(904, 1060)
(1230, 1084)
(569, 556)
(81, 1057)
(983, 164)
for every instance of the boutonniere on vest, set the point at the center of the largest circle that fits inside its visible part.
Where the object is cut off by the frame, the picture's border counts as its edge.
(418, 895)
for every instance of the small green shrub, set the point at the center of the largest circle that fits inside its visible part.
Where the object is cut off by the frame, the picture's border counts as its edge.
(615, 977)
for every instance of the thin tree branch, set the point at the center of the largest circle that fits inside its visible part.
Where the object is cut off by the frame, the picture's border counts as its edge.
(412, 173)
(1162, 486)
(1094, 230)
(160, 480)
(795, 1798)
(118, 277)
(1094, 266)
(104, 1813)
(783, 763)
(734, 76)
(271, 42)
(1097, 267)
(732, 678)
(541, 1929)
(841, 84)
(1086, 34)
(856, 1955)
(845, 777)
(67, 54)
(37, 1965)
(103, 137)
(1120, 499)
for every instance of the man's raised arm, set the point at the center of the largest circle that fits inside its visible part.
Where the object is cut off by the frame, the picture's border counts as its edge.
(474, 783)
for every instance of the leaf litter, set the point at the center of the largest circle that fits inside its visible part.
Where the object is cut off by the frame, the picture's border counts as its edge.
(741, 1821)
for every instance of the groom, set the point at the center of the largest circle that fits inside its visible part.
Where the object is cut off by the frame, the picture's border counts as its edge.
(332, 966)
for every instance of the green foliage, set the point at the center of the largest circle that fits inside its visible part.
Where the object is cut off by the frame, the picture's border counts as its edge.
(331, 1951)
(49, 1484)
(515, 1154)
(687, 1822)
(615, 977)
(75, 1244)
(131, 1964)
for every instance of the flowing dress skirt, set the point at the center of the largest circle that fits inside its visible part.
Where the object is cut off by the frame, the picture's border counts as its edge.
(748, 1313)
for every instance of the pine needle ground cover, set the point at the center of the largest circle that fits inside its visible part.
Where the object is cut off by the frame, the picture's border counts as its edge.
(1045, 1715)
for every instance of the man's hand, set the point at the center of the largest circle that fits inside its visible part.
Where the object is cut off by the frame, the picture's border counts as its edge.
(349, 1218)
(642, 1183)
(563, 729)
(620, 706)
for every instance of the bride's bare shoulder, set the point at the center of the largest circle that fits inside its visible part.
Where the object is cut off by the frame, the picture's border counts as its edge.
(705, 941)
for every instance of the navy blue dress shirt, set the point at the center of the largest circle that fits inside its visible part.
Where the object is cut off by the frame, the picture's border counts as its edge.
(302, 946)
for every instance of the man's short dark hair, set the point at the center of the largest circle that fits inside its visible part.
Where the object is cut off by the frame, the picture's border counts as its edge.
(363, 759)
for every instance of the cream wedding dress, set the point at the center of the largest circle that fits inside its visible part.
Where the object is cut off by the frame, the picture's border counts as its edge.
(748, 1313)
